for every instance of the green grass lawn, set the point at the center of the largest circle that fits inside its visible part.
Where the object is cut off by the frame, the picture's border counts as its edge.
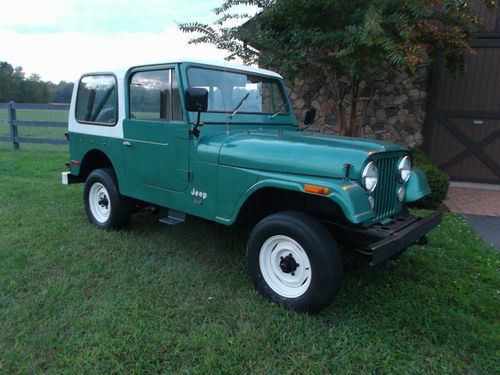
(177, 299)
(36, 115)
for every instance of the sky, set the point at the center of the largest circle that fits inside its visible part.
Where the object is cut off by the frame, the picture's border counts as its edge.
(61, 39)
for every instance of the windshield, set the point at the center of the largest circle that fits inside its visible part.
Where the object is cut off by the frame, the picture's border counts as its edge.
(229, 90)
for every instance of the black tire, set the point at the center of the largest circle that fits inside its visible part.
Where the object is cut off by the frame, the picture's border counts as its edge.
(117, 208)
(323, 255)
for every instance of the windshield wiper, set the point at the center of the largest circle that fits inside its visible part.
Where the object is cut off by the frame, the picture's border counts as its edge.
(240, 104)
(280, 111)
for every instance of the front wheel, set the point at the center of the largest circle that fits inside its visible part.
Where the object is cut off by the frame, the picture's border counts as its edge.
(294, 261)
(105, 206)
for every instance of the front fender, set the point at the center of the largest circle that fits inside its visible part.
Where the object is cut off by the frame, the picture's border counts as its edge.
(349, 196)
(418, 186)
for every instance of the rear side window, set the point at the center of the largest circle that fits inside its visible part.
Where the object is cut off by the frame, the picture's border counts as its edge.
(96, 100)
(154, 96)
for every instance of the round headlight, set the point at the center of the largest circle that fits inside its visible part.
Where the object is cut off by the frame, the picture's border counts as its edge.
(369, 177)
(404, 168)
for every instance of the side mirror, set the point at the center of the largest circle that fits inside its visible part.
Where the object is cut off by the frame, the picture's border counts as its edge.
(196, 99)
(310, 116)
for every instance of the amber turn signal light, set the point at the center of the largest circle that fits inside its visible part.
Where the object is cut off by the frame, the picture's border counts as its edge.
(317, 189)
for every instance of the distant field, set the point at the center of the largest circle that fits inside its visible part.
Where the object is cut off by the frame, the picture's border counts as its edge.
(36, 115)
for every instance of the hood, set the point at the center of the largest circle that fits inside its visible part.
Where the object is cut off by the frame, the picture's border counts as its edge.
(297, 152)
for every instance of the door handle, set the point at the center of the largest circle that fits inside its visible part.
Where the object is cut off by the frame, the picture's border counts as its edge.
(127, 143)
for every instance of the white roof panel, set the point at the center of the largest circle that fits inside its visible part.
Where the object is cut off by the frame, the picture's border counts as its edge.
(120, 73)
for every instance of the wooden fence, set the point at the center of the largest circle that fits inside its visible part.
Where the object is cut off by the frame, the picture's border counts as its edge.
(14, 123)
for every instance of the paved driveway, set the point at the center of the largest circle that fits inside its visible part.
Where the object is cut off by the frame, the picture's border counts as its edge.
(488, 228)
(480, 204)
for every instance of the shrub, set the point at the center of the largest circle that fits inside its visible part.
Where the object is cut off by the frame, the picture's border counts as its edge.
(439, 181)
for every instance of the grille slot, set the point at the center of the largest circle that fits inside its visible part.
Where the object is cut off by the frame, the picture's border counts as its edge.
(386, 201)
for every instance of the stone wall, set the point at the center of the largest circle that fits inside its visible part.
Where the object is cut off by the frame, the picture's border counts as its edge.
(396, 112)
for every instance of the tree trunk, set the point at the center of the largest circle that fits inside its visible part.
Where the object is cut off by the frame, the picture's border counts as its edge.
(354, 106)
(340, 111)
(341, 91)
(352, 117)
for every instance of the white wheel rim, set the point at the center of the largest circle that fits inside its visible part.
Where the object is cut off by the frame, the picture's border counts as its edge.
(99, 202)
(274, 254)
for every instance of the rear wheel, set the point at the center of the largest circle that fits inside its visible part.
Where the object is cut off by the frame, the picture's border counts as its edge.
(106, 208)
(294, 261)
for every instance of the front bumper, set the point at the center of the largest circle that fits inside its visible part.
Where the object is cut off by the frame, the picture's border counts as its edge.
(383, 241)
(399, 239)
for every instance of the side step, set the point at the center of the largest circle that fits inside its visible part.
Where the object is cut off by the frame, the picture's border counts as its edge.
(174, 217)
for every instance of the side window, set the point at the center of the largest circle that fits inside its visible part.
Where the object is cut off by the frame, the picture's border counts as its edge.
(96, 101)
(154, 96)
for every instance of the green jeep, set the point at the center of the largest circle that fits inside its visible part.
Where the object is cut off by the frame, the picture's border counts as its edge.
(221, 142)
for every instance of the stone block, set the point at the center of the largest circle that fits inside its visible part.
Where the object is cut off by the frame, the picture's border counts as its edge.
(402, 114)
(386, 101)
(410, 120)
(414, 94)
(326, 106)
(379, 127)
(391, 111)
(410, 141)
(392, 120)
(394, 133)
(316, 104)
(400, 99)
(381, 115)
(299, 103)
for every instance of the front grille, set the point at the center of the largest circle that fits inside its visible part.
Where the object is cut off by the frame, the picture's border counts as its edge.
(386, 201)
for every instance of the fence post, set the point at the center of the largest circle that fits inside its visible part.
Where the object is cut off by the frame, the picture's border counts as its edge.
(13, 127)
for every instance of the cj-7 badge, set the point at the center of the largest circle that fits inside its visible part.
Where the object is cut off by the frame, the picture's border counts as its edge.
(200, 197)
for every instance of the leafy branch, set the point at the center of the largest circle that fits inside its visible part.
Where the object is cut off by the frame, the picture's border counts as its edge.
(347, 41)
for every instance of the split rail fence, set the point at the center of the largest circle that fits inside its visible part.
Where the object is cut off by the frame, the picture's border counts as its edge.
(14, 124)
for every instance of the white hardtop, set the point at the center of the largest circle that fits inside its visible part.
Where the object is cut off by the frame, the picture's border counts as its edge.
(121, 72)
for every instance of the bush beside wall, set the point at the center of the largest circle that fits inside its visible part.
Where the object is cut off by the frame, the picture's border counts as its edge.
(439, 181)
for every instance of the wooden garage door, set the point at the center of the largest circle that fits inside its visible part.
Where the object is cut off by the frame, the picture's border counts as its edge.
(463, 127)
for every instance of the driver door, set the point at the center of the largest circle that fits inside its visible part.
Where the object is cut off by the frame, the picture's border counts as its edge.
(156, 147)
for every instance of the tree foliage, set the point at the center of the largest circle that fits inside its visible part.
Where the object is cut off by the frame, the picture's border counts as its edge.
(349, 41)
(61, 92)
(14, 85)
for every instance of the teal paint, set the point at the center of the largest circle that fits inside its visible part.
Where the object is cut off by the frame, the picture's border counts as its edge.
(213, 175)
(418, 186)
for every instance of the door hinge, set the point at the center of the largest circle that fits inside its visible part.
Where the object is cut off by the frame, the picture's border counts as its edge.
(182, 133)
